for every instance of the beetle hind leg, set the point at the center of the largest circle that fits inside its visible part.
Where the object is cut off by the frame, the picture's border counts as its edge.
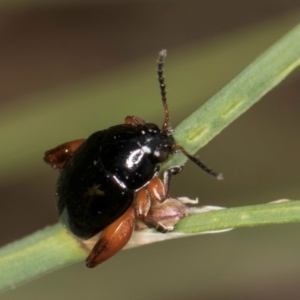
(58, 156)
(112, 239)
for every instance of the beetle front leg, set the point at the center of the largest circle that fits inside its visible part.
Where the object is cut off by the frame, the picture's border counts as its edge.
(143, 207)
(159, 189)
(164, 216)
(112, 239)
(167, 175)
(58, 156)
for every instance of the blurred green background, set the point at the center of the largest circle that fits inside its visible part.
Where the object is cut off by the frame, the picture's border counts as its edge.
(69, 68)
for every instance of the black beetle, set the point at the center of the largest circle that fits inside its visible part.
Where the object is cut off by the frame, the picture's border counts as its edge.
(110, 178)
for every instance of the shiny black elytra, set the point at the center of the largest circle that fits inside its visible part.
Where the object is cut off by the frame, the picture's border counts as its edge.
(98, 184)
(111, 178)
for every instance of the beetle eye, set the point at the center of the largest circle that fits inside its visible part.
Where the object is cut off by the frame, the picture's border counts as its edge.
(161, 155)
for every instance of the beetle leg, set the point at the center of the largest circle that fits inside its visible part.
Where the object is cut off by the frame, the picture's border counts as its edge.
(143, 207)
(142, 203)
(134, 120)
(58, 156)
(168, 175)
(112, 239)
(164, 216)
(159, 189)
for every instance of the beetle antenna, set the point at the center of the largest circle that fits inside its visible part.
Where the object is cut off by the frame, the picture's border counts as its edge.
(199, 163)
(160, 63)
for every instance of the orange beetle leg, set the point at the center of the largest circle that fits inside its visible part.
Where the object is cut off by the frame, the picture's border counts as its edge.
(164, 216)
(112, 239)
(142, 203)
(134, 120)
(157, 189)
(58, 156)
(143, 210)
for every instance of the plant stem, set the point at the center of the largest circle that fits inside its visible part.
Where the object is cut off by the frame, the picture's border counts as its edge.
(246, 216)
(39, 253)
(238, 95)
(53, 247)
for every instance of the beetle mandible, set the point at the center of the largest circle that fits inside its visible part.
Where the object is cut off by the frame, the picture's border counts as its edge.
(109, 179)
